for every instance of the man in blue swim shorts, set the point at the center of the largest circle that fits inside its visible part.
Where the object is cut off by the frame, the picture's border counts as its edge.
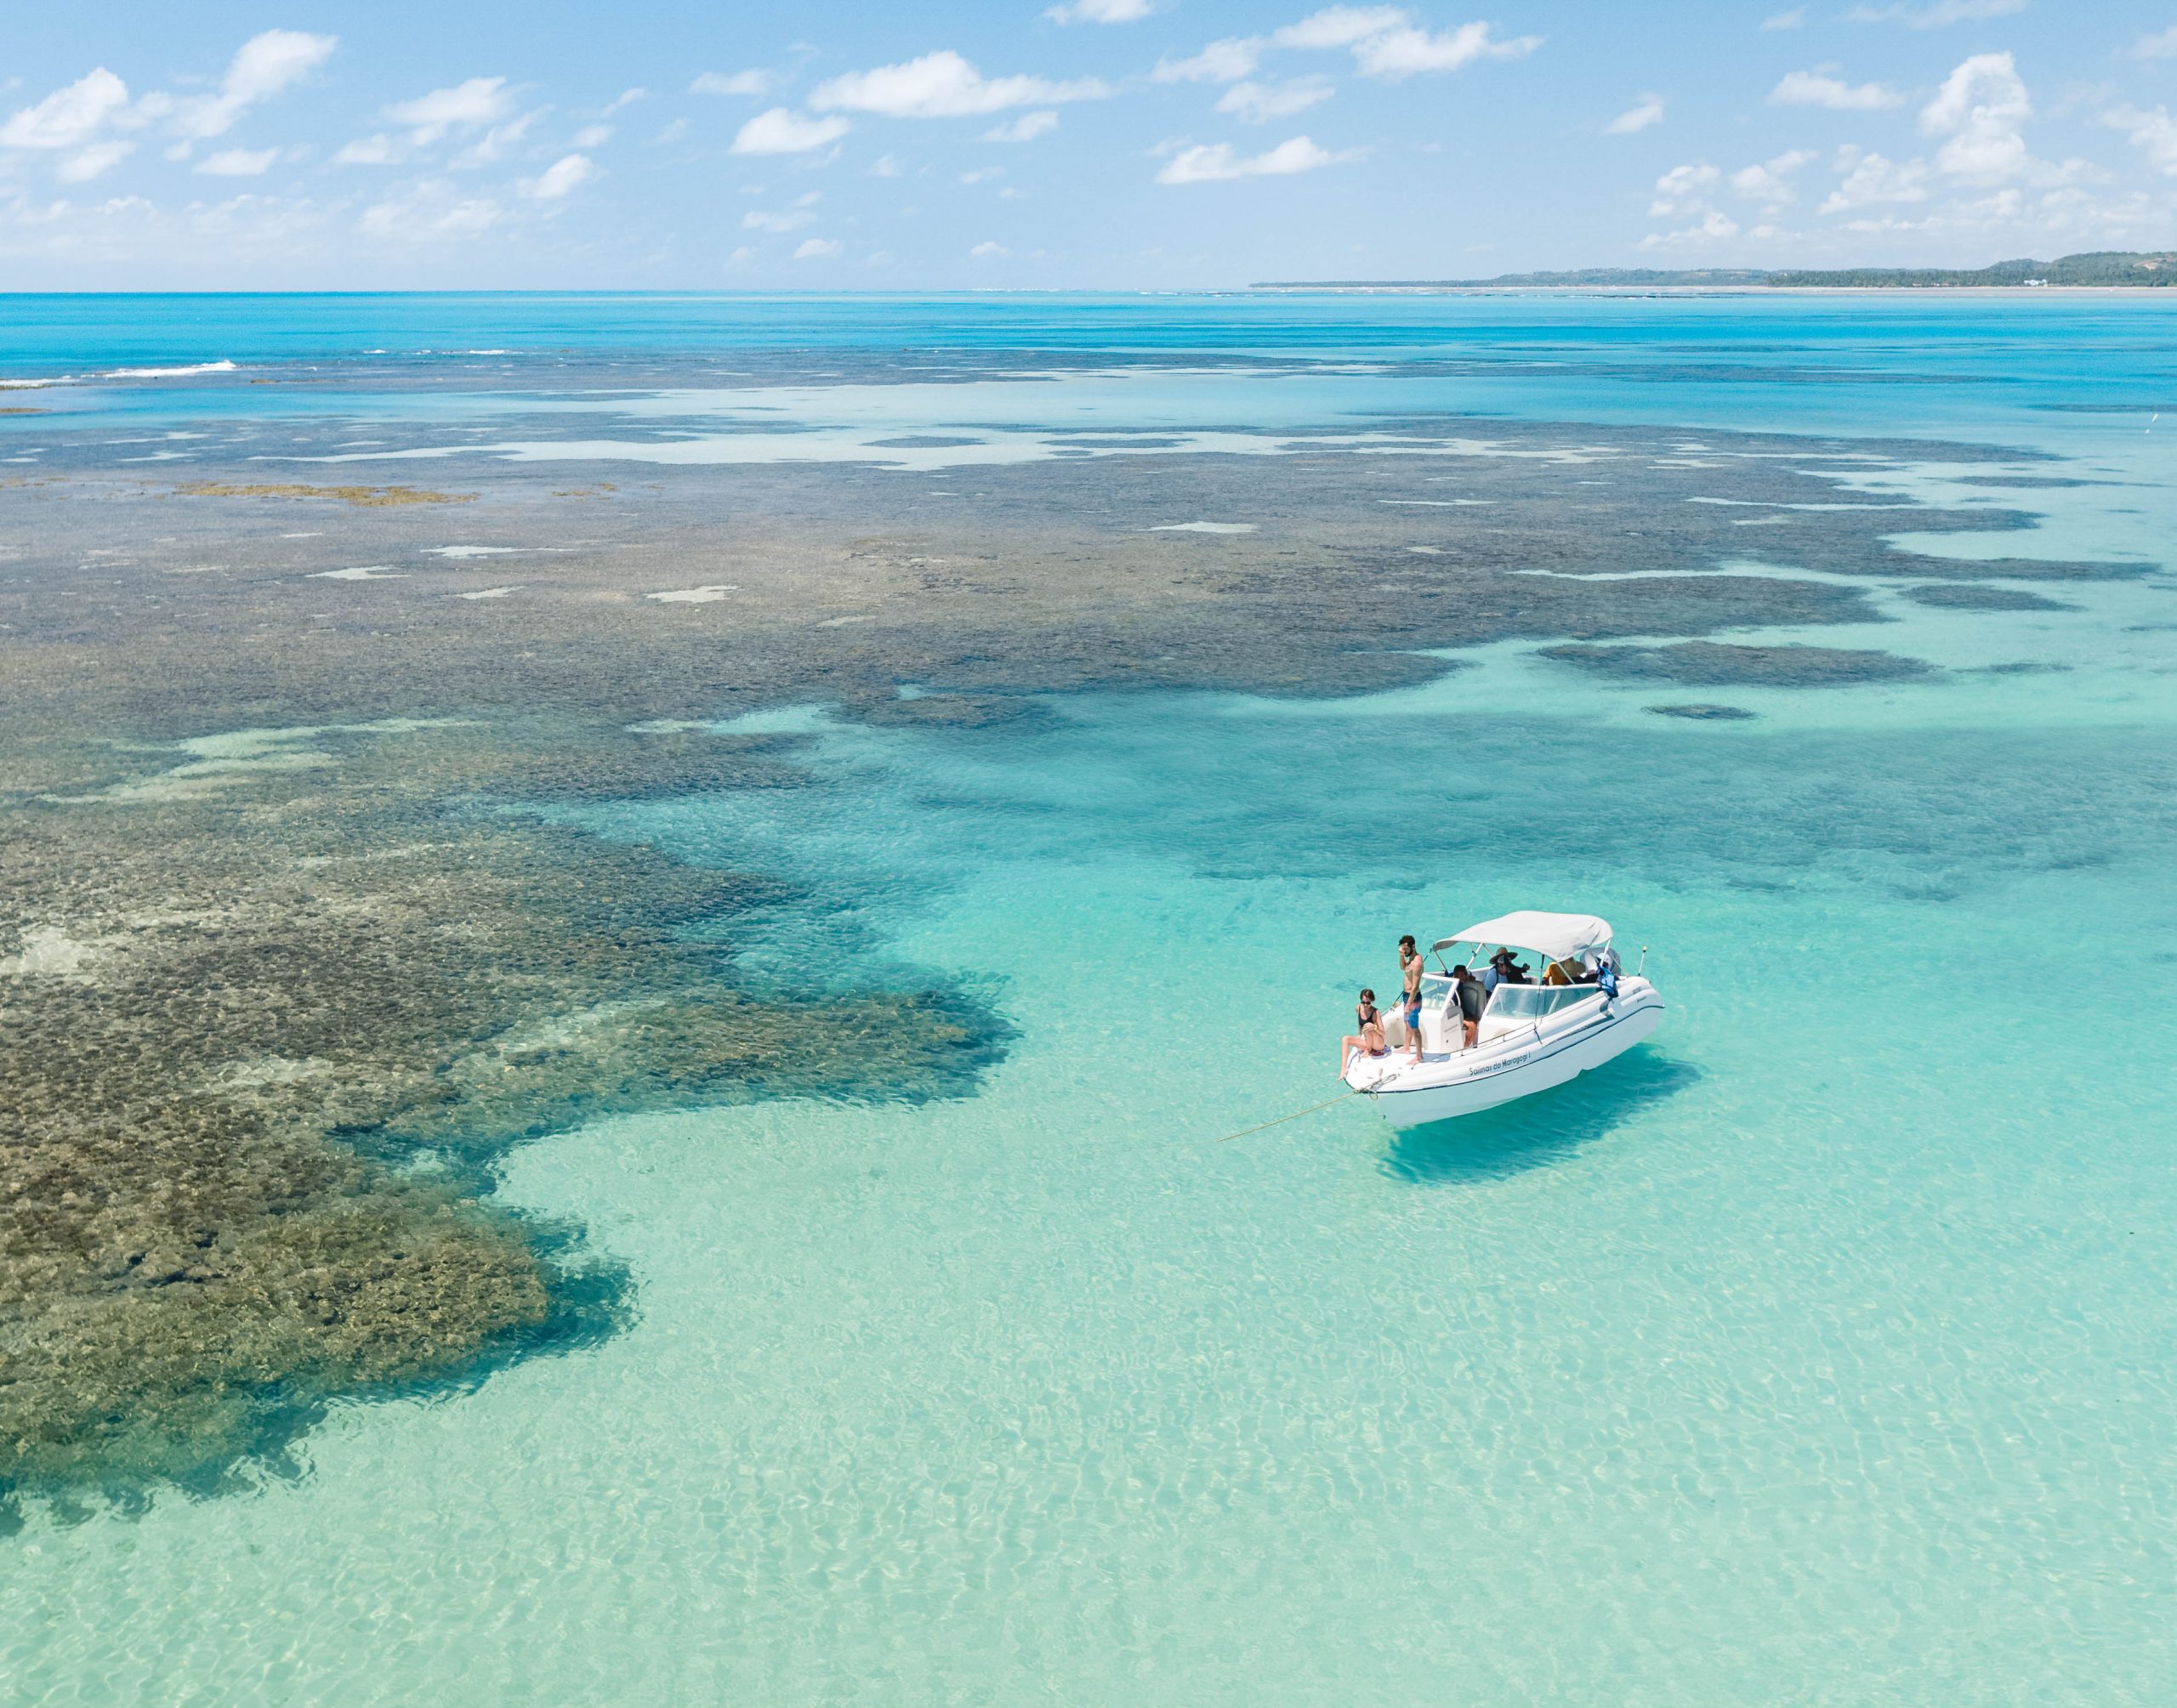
(1411, 966)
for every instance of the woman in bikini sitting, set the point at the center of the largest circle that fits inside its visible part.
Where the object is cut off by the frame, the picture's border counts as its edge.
(1371, 1039)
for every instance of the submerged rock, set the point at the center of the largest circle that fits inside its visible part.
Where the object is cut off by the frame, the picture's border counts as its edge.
(1980, 596)
(1702, 710)
(1717, 664)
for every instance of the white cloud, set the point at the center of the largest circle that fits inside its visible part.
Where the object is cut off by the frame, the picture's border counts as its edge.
(68, 115)
(1257, 103)
(780, 131)
(1825, 89)
(1216, 162)
(369, 150)
(818, 249)
(1341, 26)
(943, 85)
(982, 174)
(1869, 179)
(465, 106)
(752, 82)
(886, 167)
(493, 144)
(625, 98)
(89, 163)
(990, 251)
(759, 220)
(1682, 189)
(1220, 62)
(1714, 228)
(562, 178)
(2153, 132)
(1026, 129)
(1943, 12)
(1793, 20)
(594, 136)
(239, 163)
(433, 208)
(1403, 53)
(266, 64)
(1100, 12)
(1768, 182)
(1387, 42)
(1980, 108)
(2162, 45)
(1649, 112)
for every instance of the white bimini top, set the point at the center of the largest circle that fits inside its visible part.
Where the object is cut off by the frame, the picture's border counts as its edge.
(1561, 936)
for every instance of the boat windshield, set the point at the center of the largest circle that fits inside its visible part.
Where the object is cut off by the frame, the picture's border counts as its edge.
(1533, 1002)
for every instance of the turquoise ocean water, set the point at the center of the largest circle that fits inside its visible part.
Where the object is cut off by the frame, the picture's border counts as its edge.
(1818, 1352)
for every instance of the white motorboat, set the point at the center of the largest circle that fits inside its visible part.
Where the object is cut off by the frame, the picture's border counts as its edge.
(1542, 1025)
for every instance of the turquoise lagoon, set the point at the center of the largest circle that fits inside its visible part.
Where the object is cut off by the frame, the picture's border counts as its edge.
(1819, 1351)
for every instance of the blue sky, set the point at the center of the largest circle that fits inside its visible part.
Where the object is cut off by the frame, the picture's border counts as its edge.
(1100, 142)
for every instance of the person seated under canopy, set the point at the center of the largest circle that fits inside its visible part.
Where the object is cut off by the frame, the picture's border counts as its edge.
(1508, 970)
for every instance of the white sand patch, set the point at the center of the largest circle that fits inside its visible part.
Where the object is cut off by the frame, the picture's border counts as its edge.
(491, 592)
(363, 572)
(213, 762)
(49, 952)
(193, 569)
(1203, 528)
(458, 551)
(842, 621)
(1438, 503)
(694, 596)
(1428, 551)
(268, 1070)
(317, 534)
(574, 1031)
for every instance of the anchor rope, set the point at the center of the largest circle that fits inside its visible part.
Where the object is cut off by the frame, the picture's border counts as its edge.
(1296, 1114)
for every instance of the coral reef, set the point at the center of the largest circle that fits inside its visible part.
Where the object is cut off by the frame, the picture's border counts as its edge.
(1715, 664)
(282, 972)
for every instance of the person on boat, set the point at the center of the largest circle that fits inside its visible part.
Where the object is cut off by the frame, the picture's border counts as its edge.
(1371, 1039)
(1472, 999)
(1508, 970)
(1411, 968)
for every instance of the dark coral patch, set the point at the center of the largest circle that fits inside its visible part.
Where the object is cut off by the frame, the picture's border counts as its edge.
(1713, 664)
(1980, 596)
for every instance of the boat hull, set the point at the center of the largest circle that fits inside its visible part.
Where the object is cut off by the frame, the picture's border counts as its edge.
(1443, 1088)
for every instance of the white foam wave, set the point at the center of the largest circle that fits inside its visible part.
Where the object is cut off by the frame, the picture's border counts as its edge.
(167, 373)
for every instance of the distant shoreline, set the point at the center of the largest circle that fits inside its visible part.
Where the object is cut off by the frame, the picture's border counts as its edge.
(1713, 290)
(2101, 269)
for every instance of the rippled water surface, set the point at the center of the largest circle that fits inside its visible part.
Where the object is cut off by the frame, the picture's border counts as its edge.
(1817, 1351)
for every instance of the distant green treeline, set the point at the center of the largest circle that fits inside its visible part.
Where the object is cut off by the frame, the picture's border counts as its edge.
(2102, 267)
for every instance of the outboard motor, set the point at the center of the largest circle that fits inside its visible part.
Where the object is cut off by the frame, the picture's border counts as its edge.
(1607, 977)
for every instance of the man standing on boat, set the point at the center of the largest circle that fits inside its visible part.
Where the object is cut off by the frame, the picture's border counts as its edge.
(1472, 999)
(1411, 966)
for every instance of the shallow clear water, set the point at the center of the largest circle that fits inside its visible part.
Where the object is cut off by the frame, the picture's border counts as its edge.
(1818, 1351)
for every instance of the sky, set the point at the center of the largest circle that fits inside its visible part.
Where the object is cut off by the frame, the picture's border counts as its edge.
(1089, 145)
